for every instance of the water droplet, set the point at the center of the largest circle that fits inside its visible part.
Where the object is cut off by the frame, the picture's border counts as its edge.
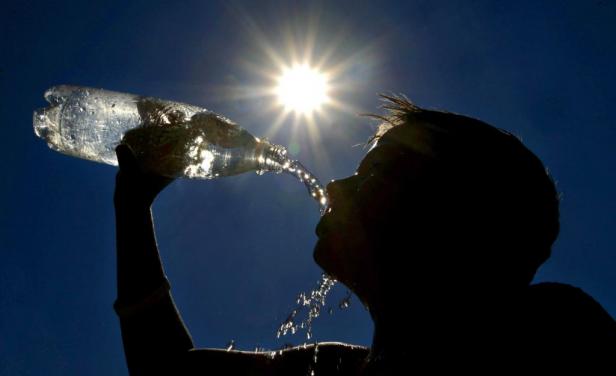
(231, 345)
(346, 302)
(310, 306)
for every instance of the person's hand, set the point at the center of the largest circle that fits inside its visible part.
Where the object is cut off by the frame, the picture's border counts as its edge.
(134, 187)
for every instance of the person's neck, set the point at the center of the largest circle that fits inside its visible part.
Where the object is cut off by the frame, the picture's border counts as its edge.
(407, 337)
(390, 347)
(409, 340)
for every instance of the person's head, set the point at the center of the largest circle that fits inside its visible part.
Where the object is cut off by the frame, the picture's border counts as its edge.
(441, 202)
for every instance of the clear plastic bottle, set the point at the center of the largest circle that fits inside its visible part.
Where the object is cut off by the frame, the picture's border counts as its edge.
(169, 138)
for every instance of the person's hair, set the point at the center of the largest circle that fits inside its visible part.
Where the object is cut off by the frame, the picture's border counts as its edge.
(489, 178)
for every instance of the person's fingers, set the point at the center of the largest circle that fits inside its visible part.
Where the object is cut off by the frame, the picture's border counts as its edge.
(126, 158)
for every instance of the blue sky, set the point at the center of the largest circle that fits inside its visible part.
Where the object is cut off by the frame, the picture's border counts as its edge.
(238, 250)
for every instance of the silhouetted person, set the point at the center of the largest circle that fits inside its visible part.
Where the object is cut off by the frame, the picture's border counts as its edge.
(439, 233)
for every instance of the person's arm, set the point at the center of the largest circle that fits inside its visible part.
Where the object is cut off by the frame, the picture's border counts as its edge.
(153, 333)
(154, 336)
(326, 358)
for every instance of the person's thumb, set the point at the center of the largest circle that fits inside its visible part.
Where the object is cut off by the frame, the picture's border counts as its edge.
(126, 159)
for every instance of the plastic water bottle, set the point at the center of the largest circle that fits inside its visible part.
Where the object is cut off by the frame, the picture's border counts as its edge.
(169, 138)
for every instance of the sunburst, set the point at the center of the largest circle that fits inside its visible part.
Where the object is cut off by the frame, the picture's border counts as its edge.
(302, 89)
(299, 77)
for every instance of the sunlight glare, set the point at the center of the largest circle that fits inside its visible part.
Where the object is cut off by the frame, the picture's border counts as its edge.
(302, 89)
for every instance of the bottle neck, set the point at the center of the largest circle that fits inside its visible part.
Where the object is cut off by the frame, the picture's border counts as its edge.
(270, 157)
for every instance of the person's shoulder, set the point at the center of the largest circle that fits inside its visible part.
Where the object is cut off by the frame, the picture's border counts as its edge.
(566, 309)
(566, 299)
(325, 358)
(562, 327)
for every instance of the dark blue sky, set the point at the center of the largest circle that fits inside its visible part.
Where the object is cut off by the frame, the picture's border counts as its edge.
(238, 250)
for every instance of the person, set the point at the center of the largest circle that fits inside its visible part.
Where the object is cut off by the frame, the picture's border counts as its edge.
(439, 233)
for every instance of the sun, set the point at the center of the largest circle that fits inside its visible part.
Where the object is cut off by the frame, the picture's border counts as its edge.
(302, 89)
(300, 80)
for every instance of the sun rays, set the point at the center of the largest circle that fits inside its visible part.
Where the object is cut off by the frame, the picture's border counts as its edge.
(299, 78)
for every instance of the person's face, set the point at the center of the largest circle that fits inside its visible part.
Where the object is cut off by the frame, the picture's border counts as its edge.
(361, 209)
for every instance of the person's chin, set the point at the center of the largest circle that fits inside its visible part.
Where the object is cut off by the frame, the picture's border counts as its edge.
(326, 253)
(320, 252)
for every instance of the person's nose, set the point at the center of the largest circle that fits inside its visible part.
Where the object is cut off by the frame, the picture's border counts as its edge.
(332, 189)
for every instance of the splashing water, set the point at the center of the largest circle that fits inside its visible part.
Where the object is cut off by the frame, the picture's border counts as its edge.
(346, 301)
(312, 303)
(230, 346)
